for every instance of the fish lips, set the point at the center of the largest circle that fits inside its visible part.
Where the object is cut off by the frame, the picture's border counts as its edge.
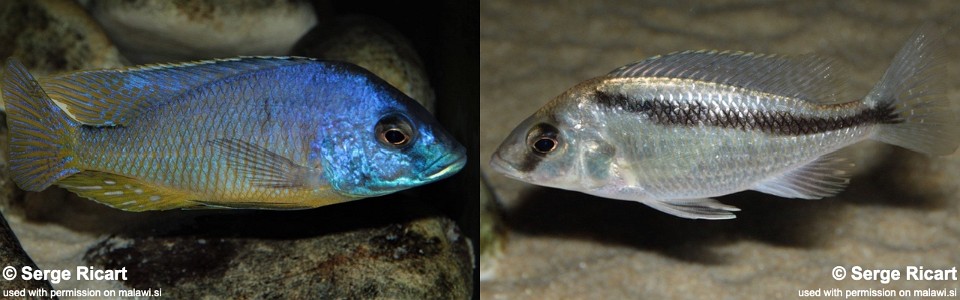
(445, 166)
(505, 167)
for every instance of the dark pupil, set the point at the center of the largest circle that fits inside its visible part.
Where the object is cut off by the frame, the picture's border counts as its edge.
(544, 145)
(394, 136)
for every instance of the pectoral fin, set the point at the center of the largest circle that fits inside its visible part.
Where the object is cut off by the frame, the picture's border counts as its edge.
(704, 208)
(265, 168)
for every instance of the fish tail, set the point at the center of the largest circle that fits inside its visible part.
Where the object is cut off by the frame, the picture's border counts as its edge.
(41, 134)
(914, 111)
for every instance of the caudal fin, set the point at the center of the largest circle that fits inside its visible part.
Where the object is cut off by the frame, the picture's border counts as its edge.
(41, 134)
(924, 119)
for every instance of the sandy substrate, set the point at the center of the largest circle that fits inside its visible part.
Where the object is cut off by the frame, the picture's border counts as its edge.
(902, 208)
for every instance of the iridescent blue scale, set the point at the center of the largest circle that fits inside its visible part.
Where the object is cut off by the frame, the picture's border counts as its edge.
(273, 133)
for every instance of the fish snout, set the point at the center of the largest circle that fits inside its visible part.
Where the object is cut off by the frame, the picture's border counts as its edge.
(445, 166)
(502, 166)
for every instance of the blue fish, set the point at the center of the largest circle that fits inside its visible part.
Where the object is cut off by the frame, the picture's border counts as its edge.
(255, 132)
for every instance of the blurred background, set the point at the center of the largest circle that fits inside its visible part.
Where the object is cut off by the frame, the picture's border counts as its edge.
(901, 208)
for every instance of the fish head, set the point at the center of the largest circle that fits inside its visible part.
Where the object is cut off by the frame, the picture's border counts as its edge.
(540, 151)
(399, 146)
(562, 145)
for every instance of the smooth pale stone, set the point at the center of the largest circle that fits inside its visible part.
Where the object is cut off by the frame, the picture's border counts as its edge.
(149, 31)
(374, 45)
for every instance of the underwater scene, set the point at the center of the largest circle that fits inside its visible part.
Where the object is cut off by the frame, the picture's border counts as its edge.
(719, 149)
(239, 150)
(492, 149)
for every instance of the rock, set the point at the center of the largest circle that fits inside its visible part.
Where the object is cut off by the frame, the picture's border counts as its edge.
(492, 233)
(12, 255)
(374, 45)
(53, 36)
(365, 250)
(149, 31)
(387, 247)
(9, 191)
(50, 36)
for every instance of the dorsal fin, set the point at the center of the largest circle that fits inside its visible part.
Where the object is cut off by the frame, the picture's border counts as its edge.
(114, 97)
(805, 77)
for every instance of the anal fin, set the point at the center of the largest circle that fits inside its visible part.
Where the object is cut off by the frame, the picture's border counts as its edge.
(123, 192)
(703, 208)
(824, 177)
(249, 205)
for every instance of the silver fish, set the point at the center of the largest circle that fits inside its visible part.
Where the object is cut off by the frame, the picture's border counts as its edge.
(673, 131)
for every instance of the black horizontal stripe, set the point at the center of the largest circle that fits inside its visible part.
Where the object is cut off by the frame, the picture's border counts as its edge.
(694, 113)
(529, 162)
(531, 158)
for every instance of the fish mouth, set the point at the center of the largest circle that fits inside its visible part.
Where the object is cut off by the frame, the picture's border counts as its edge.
(445, 166)
(441, 168)
(503, 167)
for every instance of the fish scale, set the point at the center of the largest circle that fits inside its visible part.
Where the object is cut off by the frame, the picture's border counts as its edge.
(259, 132)
(674, 131)
(190, 117)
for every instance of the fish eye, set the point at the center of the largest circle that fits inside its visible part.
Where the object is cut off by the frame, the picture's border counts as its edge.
(395, 136)
(545, 145)
(543, 139)
(394, 130)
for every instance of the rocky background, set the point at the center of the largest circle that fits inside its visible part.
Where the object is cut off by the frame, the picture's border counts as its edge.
(416, 244)
(901, 209)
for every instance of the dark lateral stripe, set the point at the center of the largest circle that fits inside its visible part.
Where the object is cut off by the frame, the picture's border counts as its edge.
(529, 163)
(531, 159)
(773, 122)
